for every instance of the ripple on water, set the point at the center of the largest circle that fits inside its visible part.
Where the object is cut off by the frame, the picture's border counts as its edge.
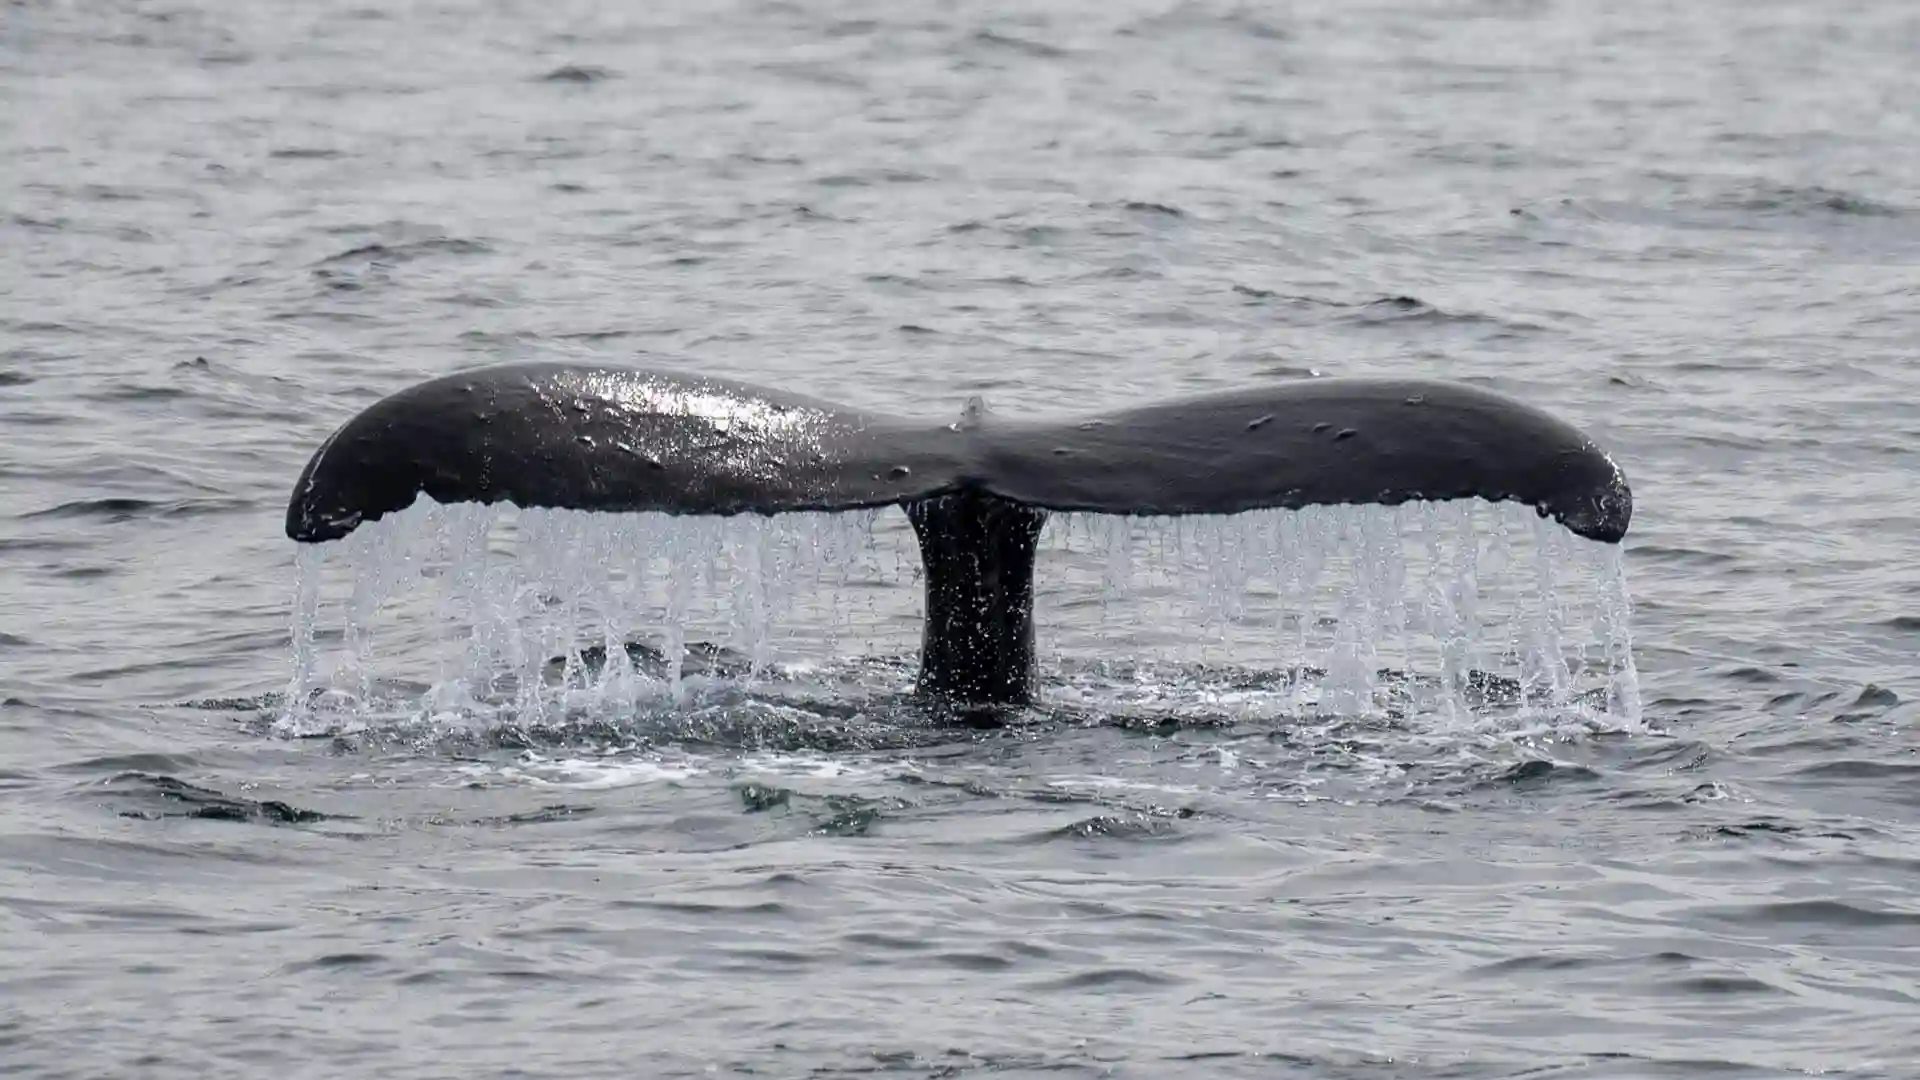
(120, 509)
(1186, 861)
(153, 796)
(1816, 914)
(577, 74)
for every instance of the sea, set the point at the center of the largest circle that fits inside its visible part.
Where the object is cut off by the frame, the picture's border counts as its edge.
(1365, 793)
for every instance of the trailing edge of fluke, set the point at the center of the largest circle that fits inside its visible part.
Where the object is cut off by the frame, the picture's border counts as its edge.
(976, 490)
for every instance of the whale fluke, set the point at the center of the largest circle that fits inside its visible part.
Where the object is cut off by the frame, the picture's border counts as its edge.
(576, 437)
(976, 490)
(1315, 442)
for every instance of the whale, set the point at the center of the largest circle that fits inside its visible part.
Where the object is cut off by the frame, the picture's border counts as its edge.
(977, 489)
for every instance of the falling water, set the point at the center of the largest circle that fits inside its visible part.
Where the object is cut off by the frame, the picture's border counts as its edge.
(1440, 608)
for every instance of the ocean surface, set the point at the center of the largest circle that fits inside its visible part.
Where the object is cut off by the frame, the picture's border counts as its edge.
(251, 825)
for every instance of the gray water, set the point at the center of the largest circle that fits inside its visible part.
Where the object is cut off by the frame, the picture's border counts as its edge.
(1690, 228)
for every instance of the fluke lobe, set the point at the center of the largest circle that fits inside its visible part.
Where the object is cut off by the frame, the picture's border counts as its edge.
(977, 491)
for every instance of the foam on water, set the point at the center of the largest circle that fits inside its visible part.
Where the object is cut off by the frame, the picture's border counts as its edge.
(473, 615)
(621, 769)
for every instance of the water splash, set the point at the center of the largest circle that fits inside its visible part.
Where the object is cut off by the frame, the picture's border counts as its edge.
(1451, 609)
(534, 614)
(471, 615)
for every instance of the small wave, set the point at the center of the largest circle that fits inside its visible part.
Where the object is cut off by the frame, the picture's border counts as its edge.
(304, 153)
(1108, 981)
(1874, 696)
(1255, 293)
(759, 798)
(1038, 50)
(1138, 826)
(1816, 912)
(129, 764)
(703, 908)
(544, 815)
(1237, 22)
(39, 326)
(14, 378)
(1242, 137)
(1806, 200)
(109, 193)
(1770, 827)
(1398, 310)
(406, 251)
(1382, 310)
(1672, 755)
(1135, 273)
(1682, 556)
(39, 224)
(871, 179)
(41, 543)
(1537, 773)
(578, 74)
(333, 961)
(849, 815)
(1720, 986)
(150, 796)
(1857, 769)
(1751, 676)
(854, 822)
(972, 961)
(1541, 962)
(137, 392)
(814, 73)
(121, 509)
(852, 28)
(257, 703)
(1400, 305)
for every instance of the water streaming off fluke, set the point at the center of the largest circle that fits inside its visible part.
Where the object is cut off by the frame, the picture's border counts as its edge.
(474, 615)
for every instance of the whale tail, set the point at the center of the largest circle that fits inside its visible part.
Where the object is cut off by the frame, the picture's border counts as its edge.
(976, 491)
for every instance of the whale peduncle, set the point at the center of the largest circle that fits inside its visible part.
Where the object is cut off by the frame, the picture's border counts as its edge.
(978, 553)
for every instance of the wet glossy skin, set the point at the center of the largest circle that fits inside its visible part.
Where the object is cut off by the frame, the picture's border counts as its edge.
(611, 439)
(617, 439)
